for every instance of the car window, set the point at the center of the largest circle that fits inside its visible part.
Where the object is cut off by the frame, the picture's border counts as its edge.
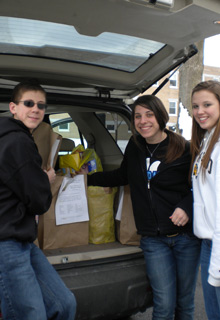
(63, 124)
(60, 41)
(117, 127)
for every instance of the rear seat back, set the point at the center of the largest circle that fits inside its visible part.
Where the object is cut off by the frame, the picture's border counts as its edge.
(67, 145)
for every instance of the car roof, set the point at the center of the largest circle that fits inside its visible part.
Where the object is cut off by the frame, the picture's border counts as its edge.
(116, 48)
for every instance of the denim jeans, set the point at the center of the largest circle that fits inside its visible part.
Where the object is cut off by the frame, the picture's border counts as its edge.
(172, 266)
(211, 293)
(30, 288)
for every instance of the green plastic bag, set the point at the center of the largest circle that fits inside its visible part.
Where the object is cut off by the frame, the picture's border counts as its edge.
(101, 214)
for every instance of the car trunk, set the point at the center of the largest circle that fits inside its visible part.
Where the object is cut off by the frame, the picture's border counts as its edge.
(111, 272)
(114, 269)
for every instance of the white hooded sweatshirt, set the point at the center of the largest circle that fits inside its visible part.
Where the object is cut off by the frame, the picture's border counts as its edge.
(206, 192)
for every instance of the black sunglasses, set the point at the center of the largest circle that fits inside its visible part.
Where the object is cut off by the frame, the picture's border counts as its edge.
(31, 103)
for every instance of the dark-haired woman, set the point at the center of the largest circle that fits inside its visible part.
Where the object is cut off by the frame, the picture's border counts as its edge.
(156, 165)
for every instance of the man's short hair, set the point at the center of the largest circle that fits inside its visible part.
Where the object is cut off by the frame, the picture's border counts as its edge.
(24, 86)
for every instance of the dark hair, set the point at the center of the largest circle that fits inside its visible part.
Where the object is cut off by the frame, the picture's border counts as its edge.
(177, 143)
(24, 86)
(154, 104)
(197, 132)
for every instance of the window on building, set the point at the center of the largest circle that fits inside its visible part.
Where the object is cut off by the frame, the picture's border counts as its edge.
(172, 127)
(173, 107)
(64, 127)
(110, 125)
(156, 84)
(174, 80)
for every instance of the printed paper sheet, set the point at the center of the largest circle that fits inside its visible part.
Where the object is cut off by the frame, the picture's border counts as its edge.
(71, 205)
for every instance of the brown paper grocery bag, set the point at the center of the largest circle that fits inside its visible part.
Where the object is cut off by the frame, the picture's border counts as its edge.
(126, 229)
(48, 143)
(51, 236)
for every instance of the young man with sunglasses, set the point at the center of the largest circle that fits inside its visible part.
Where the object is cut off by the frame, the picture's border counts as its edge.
(30, 288)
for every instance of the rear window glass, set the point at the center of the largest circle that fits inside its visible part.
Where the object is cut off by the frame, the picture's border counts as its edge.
(117, 127)
(63, 124)
(59, 41)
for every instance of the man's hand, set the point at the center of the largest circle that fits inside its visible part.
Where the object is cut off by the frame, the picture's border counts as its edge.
(83, 170)
(51, 175)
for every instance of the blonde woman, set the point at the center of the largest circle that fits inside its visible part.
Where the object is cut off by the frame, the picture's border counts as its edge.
(206, 188)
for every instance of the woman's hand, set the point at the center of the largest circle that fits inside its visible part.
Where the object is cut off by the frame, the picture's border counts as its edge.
(179, 217)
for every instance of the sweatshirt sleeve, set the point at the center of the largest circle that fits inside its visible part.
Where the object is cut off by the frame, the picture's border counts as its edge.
(214, 267)
(31, 185)
(187, 205)
(21, 172)
(112, 178)
(187, 202)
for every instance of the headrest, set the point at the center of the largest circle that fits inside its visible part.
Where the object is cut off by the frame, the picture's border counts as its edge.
(67, 145)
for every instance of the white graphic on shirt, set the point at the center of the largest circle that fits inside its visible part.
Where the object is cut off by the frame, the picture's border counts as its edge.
(152, 168)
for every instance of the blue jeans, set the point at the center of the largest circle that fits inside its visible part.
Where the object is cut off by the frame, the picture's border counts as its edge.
(211, 293)
(172, 266)
(30, 288)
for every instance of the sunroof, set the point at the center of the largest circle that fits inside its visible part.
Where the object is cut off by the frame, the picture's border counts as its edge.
(63, 42)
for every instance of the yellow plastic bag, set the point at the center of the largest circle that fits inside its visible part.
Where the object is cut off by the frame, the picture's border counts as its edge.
(70, 161)
(101, 215)
(80, 157)
(90, 158)
(73, 160)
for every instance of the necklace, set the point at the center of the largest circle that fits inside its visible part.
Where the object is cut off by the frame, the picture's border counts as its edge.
(152, 152)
